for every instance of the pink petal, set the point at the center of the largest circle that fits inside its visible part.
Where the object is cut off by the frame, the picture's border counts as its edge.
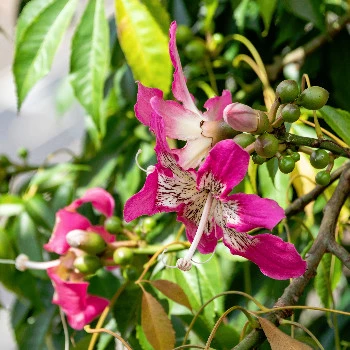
(143, 108)
(80, 307)
(241, 117)
(65, 221)
(179, 86)
(103, 233)
(215, 106)
(275, 258)
(180, 123)
(100, 199)
(224, 168)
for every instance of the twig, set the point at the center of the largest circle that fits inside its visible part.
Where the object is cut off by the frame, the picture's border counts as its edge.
(340, 252)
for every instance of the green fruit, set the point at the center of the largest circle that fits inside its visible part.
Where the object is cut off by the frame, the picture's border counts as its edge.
(130, 273)
(290, 113)
(286, 164)
(266, 145)
(123, 256)
(319, 158)
(287, 91)
(113, 224)
(22, 152)
(148, 224)
(87, 264)
(323, 178)
(195, 50)
(295, 156)
(90, 242)
(257, 159)
(244, 140)
(314, 97)
(183, 34)
(263, 123)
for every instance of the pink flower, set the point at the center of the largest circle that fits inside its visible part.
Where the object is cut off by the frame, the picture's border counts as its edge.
(183, 120)
(68, 219)
(203, 203)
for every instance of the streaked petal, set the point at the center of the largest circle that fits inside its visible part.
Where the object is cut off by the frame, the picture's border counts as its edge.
(180, 123)
(215, 106)
(254, 212)
(275, 258)
(224, 168)
(66, 221)
(100, 199)
(179, 86)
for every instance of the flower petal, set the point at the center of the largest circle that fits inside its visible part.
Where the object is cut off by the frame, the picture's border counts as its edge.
(143, 108)
(100, 199)
(254, 212)
(179, 86)
(80, 307)
(224, 168)
(275, 258)
(180, 123)
(66, 221)
(215, 106)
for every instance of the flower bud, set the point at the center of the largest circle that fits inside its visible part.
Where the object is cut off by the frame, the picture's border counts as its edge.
(287, 91)
(244, 140)
(263, 123)
(90, 242)
(87, 264)
(266, 145)
(241, 117)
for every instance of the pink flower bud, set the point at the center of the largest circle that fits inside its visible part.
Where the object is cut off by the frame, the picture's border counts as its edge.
(241, 117)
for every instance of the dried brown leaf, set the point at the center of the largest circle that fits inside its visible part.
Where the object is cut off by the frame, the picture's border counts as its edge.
(156, 324)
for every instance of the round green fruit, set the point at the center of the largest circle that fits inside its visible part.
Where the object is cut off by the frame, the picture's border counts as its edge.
(314, 97)
(113, 224)
(323, 178)
(257, 159)
(123, 256)
(290, 113)
(286, 164)
(295, 156)
(266, 145)
(244, 140)
(87, 264)
(319, 159)
(183, 34)
(287, 91)
(195, 50)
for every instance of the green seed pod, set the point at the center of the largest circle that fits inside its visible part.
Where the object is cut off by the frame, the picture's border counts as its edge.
(22, 152)
(113, 224)
(290, 113)
(323, 178)
(314, 97)
(123, 256)
(319, 159)
(295, 156)
(257, 159)
(287, 91)
(89, 242)
(195, 50)
(87, 264)
(266, 145)
(244, 140)
(263, 123)
(148, 224)
(183, 34)
(286, 164)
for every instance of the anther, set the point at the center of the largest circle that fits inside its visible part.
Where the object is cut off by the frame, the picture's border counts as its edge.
(149, 169)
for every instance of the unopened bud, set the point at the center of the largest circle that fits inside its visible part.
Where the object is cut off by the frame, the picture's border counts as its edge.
(244, 140)
(90, 242)
(87, 264)
(241, 117)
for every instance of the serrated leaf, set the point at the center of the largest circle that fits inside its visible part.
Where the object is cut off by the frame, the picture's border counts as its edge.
(279, 340)
(156, 324)
(40, 29)
(338, 120)
(267, 8)
(144, 43)
(90, 59)
(173, 291)
(141, 336)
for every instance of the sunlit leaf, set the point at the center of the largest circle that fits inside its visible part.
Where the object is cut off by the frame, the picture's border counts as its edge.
(10, 205)
(144, 43)
(40, 29)
(156, 324)
(173, 291)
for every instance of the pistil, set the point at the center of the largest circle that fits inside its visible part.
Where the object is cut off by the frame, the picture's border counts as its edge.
(23, 263)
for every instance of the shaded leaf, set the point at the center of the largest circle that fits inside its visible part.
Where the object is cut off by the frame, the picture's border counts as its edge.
(279, 340)
(156, 324)
(173, 291)
(39, 211)
(40, 29)
(144, 43)
(267, 8)
(338, 120)
(90, 59)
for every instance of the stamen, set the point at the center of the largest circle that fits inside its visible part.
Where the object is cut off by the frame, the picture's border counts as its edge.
(185, 264)
(204, 262)
(23, 263)
(162, 257)
(149, 169)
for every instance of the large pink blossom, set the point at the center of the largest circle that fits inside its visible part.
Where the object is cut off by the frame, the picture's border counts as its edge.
(204, 204)
(182, 119)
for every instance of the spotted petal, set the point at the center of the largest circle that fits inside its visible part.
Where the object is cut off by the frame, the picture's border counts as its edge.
(275, 258)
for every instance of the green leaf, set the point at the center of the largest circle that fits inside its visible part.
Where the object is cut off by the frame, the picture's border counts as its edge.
(40, 212)
(141, 336)
(40, 29)
(90, 59)
(144, 43)
(338, 120)
(10, 205)
(267, 8)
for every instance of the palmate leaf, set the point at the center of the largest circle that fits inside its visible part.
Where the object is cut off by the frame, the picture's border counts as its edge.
(40, 29)
(90, 59)
(144, 43)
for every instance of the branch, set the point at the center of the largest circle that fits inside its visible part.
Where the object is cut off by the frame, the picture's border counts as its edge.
(324, 241)
(340, 252)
